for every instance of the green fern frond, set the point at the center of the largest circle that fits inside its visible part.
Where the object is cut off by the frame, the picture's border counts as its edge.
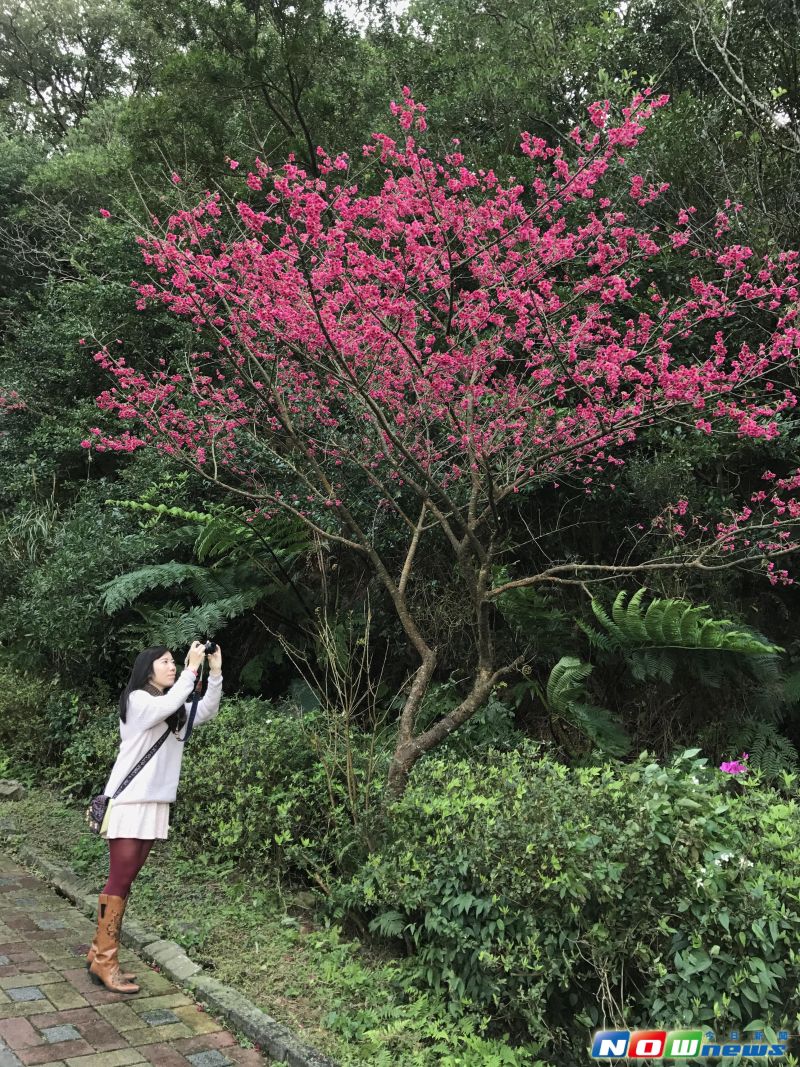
(616, 632)
(283, 537)
(529, 610)
(618, 613)
(566, 682)
(210, 618)
(155, 625)
(769, 751)
(676, 624)
(567, 698)
(690, 627)
(226, 529)
(601, 727)
(671, 621)
(710, 636)
(174, 625)
(653, 622)
(126, 588)
(768, 667)
(219, 538)
(596, 639)
(646, 664)
(791, 687)
(634, 621)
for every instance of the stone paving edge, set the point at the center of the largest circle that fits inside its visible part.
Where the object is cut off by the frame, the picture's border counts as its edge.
(273, 1037)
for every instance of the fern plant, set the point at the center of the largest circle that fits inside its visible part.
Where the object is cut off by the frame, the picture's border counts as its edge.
(671, 623)
(223, 595)
(565, 697)
(240, 565)
(672, 634)
(769, 751)
(228, 531)
(534, 618)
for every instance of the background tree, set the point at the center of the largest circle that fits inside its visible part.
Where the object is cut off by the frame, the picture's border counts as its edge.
(57, 60)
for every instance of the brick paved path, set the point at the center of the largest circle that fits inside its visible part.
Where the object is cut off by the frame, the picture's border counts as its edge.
(52, 1014)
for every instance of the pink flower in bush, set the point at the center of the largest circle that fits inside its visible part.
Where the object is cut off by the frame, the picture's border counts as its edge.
(105, 213)
(735, 766)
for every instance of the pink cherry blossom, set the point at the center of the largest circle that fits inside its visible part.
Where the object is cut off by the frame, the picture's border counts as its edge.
(437, 331)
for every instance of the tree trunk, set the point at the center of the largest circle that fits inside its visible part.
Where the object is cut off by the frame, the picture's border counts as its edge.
(409, 751)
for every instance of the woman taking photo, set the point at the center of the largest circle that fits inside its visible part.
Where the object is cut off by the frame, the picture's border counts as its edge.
(153, 710)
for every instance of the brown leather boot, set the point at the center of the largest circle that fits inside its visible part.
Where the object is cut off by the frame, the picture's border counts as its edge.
(104, 968)
(129, 976)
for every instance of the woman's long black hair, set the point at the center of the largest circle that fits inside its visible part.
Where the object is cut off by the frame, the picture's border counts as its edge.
(141, 679)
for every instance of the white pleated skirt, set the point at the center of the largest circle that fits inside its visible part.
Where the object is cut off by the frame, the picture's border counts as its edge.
(148, 821)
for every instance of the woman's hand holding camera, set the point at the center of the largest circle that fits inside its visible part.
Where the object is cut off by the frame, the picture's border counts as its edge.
(197, 653)
(195, 656)
(215, 662)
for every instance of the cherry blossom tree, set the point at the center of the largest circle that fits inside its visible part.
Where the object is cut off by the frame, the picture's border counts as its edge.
(404, 337)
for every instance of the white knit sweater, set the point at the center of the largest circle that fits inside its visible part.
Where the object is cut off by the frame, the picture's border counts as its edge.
(146, 722)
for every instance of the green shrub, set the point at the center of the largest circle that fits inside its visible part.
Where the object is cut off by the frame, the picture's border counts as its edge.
(37, 718)
(260, 786)
(557, 900)
(492, 726)
(88, 758)
(22, 698)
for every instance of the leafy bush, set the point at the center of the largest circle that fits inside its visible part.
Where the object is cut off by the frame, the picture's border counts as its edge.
(259, 786)
(88, 758)
(52, 614)
(492, 726)
(38, 718)
(769, 751)
(557, 900)
(22, 698)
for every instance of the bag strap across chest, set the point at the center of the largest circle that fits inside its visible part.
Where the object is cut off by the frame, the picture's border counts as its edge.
(145, 758)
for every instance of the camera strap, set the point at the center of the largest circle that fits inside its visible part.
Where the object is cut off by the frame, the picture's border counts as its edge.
(193, 709)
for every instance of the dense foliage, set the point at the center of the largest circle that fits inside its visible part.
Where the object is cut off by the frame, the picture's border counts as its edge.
(555, 900)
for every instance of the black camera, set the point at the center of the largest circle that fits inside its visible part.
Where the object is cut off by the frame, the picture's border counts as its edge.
(210, 648)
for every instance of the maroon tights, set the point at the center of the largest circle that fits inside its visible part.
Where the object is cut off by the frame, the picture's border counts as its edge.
(127, 856)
